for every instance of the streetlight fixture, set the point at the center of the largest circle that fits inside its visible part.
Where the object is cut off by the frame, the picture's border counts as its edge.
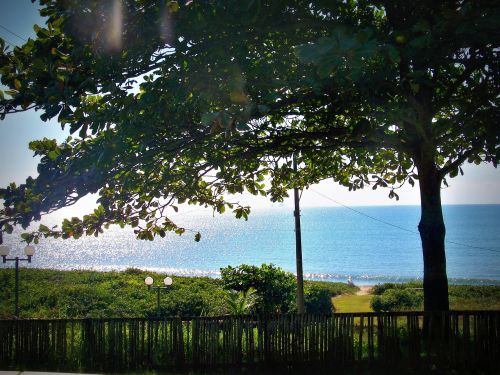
(149, 283)
(29, 251)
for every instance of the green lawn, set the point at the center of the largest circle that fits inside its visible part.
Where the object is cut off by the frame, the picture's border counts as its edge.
(462, 297)
(352, 303)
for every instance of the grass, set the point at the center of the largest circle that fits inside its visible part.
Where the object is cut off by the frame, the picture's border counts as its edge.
(462, 297)
(466, 297)
(352, 303)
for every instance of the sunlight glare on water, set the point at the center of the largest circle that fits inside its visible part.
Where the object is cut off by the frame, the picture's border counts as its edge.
(336, 243)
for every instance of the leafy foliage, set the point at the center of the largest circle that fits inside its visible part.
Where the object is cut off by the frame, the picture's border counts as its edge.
(241, 303)
(468, 297)
(81, 294)
(334, 288)
(391, 296)
(379, 289)
(369, 87)
(274, 287)
(397, 300)
(318, 300)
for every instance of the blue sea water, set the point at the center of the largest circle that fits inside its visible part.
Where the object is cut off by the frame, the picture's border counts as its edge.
(373, 244)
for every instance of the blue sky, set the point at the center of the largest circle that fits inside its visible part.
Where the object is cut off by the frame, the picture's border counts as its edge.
(480, 184)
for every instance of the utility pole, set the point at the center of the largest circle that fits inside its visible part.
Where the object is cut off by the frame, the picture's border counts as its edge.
(298, 248)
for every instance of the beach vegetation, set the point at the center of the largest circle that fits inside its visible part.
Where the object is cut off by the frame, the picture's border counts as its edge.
(408, 296)
(241, 303)
(274, 287)
(397, 300)
(318, 300)
(83, 294)
(379, 289)
(46, 293)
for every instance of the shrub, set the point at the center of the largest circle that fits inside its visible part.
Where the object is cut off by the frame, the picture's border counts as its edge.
(318, 300)
(83, 301)
(397, 300)
(333, 288)
(133, 271)
(190, 297)
(381, 288)
(275, 287)
(183, 303)
(241, 303)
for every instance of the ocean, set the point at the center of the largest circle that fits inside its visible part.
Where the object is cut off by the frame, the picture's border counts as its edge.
(372, 244)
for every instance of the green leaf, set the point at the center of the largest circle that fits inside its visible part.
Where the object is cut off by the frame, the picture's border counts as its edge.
(43, 228)
(263, 108)
(53, 155)
(393, 54)
(209, 118)
(8, 228)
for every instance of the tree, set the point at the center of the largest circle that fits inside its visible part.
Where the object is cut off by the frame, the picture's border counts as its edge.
(189, 101)
(274, 288)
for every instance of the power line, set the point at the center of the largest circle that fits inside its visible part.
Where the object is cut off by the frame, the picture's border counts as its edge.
(472, 246)
(364, 214)
(8, 42)
(13, 33)
(399, 227)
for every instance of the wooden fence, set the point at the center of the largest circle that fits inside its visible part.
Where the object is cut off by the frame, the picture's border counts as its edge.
(454, 339)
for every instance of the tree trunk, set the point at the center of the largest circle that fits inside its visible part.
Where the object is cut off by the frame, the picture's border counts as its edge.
(432, 233)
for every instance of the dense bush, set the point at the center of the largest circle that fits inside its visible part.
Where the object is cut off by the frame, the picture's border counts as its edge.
(80, 294)
(334, 289)
(475, 291)
(462, 297)
(467, 297)
(318, 300)
(397, 299)
(379, 289)
(275, 287)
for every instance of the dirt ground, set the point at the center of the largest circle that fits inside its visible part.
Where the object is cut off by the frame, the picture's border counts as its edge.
(364, 290)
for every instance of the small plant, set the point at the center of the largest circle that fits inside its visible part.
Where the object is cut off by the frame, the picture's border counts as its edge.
(241, 303)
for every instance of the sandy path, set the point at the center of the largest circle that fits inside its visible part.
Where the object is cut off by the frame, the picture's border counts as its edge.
(364, 290)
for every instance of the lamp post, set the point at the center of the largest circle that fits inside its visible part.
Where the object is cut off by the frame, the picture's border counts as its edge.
(149, 282)
(29, 251)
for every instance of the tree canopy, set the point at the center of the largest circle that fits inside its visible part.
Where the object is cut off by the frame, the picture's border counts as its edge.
(189, 101)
